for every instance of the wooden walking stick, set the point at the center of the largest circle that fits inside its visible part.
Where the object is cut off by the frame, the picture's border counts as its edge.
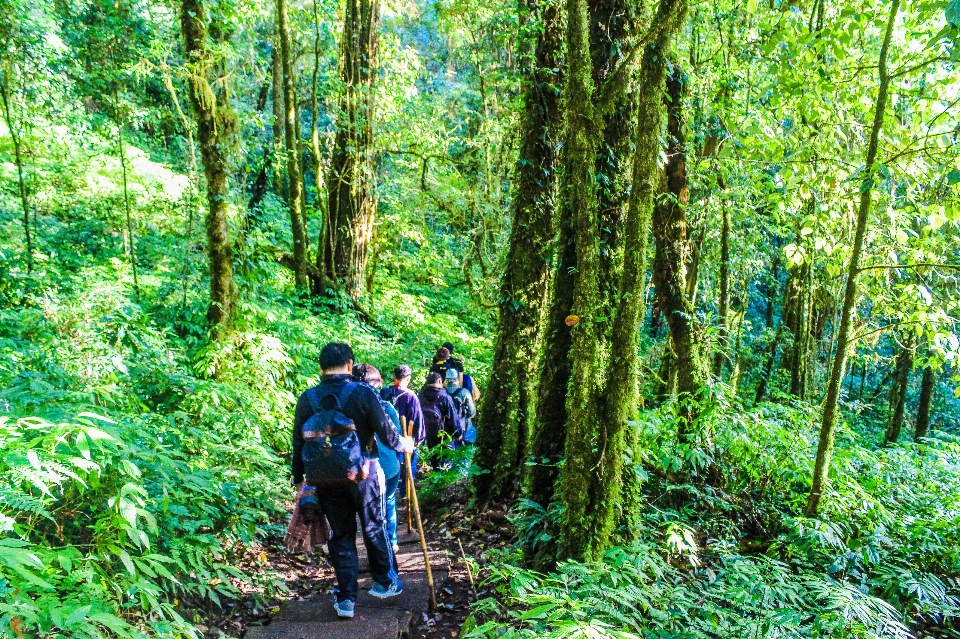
(408, 461)
(423, 539)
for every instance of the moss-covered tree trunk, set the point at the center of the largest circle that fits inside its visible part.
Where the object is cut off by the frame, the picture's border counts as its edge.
(927, 385)
(215, 125)
(828, 422)
(298, 225)
(898, 393)
(669, 232)
(600, 398)
(579, 192)
(723, 311)
(505, 414)
(351, 203)
(6, 91)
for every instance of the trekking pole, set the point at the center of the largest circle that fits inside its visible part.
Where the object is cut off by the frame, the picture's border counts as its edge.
(407, 460)
(423, 539)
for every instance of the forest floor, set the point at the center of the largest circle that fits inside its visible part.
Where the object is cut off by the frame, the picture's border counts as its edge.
(451, 527)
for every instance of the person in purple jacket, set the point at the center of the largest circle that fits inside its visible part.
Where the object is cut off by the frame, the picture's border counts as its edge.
(408, 405)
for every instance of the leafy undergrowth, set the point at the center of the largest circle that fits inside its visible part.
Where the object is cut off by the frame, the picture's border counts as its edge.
(717, 547)
(143, 468)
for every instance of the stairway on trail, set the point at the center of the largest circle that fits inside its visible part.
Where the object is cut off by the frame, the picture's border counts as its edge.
(315, 618)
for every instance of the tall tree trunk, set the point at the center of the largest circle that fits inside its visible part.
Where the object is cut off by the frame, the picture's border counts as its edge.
(131, 236)
(580, 194)
(669, 232)
(829, 422)
(5, 89)
(279, 185)
(351, 205)
(215, 124)
(923, 405)
(722, 329)
(549, 436)
(298, 224)
(898, 393)
(590, 482)
(504, 420)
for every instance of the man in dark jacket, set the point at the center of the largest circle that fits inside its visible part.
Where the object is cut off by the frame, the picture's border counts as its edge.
(342, 504)
(439, 412)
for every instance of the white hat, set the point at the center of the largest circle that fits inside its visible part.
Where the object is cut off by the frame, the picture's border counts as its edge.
(452, 375)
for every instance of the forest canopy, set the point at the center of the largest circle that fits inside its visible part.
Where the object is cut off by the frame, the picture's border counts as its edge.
(702, 259)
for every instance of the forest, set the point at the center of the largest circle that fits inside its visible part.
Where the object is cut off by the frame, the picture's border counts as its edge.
(702, 258)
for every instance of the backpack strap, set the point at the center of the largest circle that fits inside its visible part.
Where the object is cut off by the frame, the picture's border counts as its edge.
(313, 396)
(345, 393)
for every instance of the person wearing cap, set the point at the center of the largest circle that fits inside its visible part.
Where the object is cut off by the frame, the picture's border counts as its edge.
(444, 360)
(389, 462)
(407, 404)
(463, 401)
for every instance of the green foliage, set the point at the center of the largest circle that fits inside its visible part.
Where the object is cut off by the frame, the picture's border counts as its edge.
(719, 548)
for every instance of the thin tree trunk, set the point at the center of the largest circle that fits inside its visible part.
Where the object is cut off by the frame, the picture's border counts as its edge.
(828, 424)
(298, 224)
(278, 144)
(320, 286)
(18, 157)
(669, 232)
(215, 125)
(505, 414)
(722, 331)
(923, 405)
(131, 238)
(898, 394)
(351, 204)
(768, 367)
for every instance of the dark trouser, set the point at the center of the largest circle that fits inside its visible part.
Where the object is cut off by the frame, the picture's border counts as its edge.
(415, 461)
(341, 505)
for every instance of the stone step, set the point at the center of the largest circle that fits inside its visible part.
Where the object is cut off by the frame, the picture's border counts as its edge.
(367, 623)
(410, 561)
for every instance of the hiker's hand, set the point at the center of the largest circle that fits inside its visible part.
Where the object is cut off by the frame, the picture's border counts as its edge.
(407, 443)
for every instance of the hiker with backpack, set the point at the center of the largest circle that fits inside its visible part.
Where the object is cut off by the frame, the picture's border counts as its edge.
(463, 402)
(408, 405)
(336, 425)
(439, 413)
(369, 375)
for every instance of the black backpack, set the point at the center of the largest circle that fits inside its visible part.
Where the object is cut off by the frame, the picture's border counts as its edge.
(331, 447)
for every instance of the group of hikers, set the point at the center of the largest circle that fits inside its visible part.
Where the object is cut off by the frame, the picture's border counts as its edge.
(350, 436)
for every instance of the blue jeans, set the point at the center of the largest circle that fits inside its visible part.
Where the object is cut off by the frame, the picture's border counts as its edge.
(391, 502)
(341, 505)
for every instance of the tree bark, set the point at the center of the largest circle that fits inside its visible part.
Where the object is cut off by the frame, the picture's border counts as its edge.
(131, 236)
(669, 232)
(279, 186)
(351, 205)
(505, 414)
(298, 224)
(215, 125)
(829, 421)
(590, 482)
(723, 311)
(898, 393)
(18, 158)
(923, 405)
